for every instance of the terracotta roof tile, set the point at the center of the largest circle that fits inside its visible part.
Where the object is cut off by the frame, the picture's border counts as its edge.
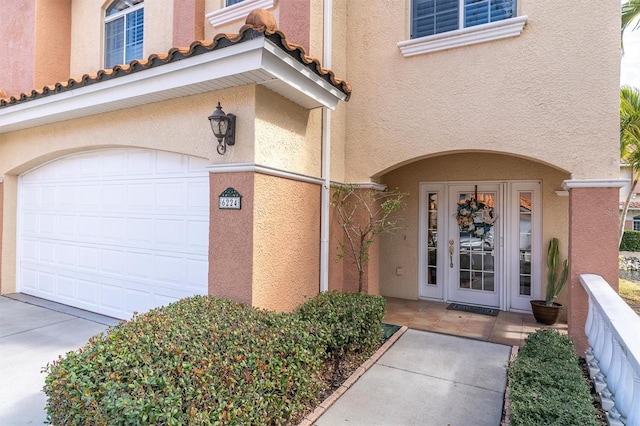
(220, 41)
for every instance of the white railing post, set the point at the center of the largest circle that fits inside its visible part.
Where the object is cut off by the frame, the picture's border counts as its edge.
(612, 330)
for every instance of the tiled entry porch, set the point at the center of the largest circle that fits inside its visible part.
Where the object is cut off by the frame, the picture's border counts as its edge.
(508, 328)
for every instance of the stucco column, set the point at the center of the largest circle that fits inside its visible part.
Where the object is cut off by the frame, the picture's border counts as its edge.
(593, 248)
(231, 239)
(188, 22)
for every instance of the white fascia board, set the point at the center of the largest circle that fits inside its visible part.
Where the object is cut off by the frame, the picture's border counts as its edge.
(157, 83)
(286, 69)
(157, 80)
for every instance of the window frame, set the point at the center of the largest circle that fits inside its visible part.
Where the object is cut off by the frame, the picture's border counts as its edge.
(497, 30)
(111, 18)
(461, 9)
(234, 12)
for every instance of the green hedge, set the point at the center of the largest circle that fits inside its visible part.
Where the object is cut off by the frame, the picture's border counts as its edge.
(348, 322)
(630, 241)
(546, 384)
(198, 361)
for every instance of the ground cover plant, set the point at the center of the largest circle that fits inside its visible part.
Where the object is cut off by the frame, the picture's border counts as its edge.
(546, 383)
(207, 361)
(630, 293)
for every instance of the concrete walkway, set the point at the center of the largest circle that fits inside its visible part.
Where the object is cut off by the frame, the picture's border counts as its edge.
(30, 337)
(423, 379)
(427, 379)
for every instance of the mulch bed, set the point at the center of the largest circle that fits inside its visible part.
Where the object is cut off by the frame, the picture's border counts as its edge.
(601, 415)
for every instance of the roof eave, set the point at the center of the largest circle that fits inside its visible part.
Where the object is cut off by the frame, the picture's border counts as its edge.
(255, 61)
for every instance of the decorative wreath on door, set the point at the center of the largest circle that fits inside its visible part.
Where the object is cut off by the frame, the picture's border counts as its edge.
(475, 217)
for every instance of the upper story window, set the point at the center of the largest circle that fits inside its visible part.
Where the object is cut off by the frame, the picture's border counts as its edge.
(123, 32)
(430, 17)
(232, 2)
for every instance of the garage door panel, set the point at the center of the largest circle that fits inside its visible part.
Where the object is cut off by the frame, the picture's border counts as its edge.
(113, 197)
(197, 271)
(66, 288)
(198, 196)
(141, 163)
(115, 231)
(47, 224)
(47, 283)
(169, 162)
(87, 293)
(198, 236)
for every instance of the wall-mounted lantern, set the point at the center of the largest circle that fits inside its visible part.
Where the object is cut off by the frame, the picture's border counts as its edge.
(224, 128)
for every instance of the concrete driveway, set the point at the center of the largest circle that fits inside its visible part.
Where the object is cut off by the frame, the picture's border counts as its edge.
(30, 337)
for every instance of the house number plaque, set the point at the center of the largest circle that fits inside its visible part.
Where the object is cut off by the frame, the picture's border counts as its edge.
(230, 199)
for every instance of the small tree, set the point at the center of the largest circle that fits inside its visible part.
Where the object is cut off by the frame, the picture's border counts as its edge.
(363, 214)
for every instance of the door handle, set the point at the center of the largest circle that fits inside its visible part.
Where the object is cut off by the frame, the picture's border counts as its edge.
(450, 253)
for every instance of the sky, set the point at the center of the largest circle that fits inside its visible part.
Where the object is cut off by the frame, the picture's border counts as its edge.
(630, 65)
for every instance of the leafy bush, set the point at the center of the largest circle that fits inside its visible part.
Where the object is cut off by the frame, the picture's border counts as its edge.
(200, 361)
(546, 383)
(630, 241)
(347, 322)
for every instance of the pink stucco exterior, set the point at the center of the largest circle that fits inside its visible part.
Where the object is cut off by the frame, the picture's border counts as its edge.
(593, 249)
(494, 112)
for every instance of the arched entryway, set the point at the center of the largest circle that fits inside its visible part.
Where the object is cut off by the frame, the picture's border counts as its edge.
(502, 266)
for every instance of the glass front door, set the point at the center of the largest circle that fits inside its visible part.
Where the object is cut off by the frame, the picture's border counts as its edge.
(473, 245)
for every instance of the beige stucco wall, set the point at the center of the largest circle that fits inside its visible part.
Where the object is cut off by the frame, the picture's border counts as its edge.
(287, 136)
(550, 94)
(286, 232)
(87, 32)
(401, 248)
(162, 125)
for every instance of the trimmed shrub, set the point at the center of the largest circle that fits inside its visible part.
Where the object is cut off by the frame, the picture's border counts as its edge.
(347, 322)
(198, 361)
(630, 241)
(206, 361)
(546, 383)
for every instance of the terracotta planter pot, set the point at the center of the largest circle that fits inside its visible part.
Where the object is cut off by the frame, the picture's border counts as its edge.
(546, 314)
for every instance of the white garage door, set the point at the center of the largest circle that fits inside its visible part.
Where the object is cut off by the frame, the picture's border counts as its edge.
(114, 231)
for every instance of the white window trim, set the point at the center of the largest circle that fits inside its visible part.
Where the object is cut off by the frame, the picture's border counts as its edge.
(108, 19)
(123, 12)
(236, 11)
(506, 28)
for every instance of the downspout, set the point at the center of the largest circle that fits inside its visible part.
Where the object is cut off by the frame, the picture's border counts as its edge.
(326, 153)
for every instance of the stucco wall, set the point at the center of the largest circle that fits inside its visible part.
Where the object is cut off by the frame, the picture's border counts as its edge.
(188, 21)
(286, 233)
(231, 239)
(87, 32)
(551, 93)
(401, 248)
(179, 125)
(287, 135)
(53, 42)
(17, 29)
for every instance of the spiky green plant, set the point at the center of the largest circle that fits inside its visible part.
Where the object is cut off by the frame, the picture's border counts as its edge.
(555, 283)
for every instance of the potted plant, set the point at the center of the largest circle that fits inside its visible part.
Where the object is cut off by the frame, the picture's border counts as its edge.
(547, 311)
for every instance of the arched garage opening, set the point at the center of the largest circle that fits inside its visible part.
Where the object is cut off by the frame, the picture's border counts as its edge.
(114, 231)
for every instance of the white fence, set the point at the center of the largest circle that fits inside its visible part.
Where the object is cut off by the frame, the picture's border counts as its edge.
(613, 332)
